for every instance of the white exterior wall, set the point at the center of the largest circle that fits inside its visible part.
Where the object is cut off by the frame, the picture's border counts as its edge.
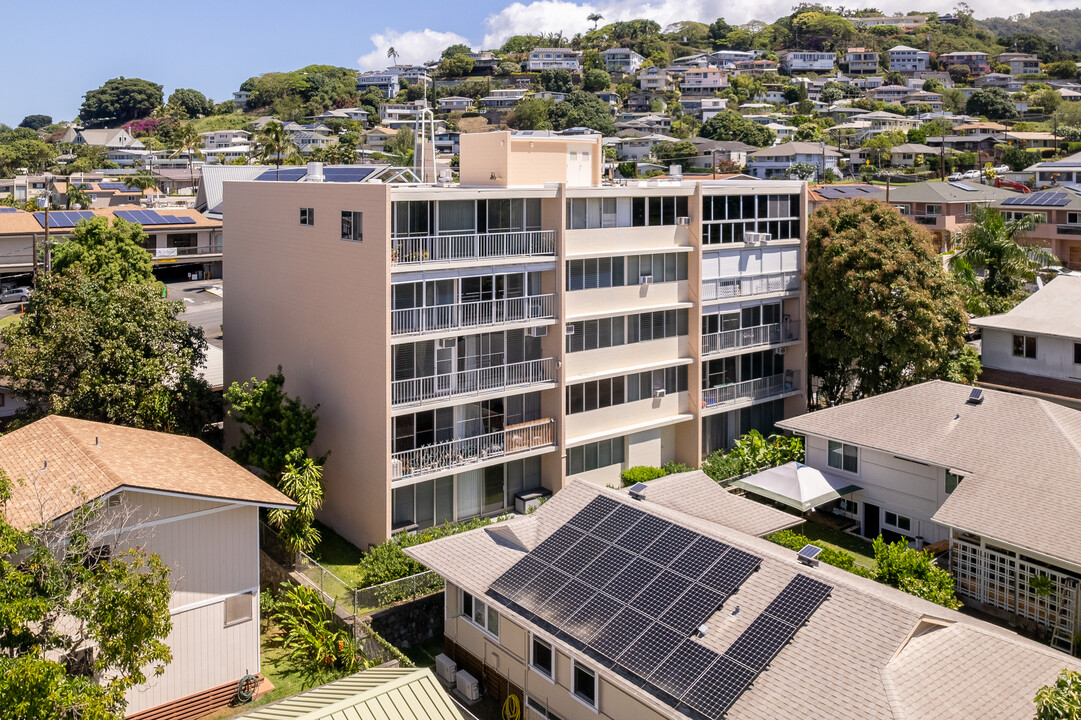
(1054, 355)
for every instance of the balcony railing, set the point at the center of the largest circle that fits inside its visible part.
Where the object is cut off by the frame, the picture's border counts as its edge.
(926, 219)
(774, 334)
(447, 456)
(472, 382)
(471, 246)
(1069, 229)
(432, 318)
(759, 389)
(185, 251)
(747, 286)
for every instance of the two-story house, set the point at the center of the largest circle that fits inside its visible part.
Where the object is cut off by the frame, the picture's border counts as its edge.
(386, 82)
(703, 81)
(755, 67)
(977, 62)
(943, 208)
(904, 23)
(554, 59)
(1057, 217)
(774, 162)
(908, 59)
(654, 79)
(795, 61)
(860, 60)
(1020, 63)
(218, 139)
(623, 60)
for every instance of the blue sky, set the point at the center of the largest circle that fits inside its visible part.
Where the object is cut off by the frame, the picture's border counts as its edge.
(54, 54)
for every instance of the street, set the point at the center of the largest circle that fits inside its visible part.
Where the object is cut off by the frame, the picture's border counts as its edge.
(201, 308)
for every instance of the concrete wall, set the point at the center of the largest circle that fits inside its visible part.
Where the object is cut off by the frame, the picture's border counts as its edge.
(1054, 355)
(411, 623)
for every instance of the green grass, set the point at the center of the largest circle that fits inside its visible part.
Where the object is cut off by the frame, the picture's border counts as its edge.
(10, 320)
(338, 555)
(824, 535)
(424, 655)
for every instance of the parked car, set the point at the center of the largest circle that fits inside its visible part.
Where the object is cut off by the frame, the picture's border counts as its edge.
(972, 175)
(19, 294)
(956, 176)
(1002, 169)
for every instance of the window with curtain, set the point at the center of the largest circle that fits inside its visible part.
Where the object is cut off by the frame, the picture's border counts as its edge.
(457, 217)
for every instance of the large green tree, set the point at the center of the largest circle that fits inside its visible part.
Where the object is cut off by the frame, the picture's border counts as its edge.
(530, 114)
(118, 101)
(36, 122)
(582, 109)
(882, 313)
(67, 587)
(992, 103)
(113, 255)
(730, 125)
(192, 102)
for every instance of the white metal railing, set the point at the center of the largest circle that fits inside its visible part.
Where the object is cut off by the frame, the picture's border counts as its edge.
(774, 334)
(411, 321)
(469, 246)
(467, 451)
(472, 382)
(749, 285)
(759, 389)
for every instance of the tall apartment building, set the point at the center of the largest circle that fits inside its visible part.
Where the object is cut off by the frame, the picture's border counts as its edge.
(476, 342)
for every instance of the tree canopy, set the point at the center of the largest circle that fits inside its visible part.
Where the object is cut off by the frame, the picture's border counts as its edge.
(118, 101)
(1061, 701)
(192, 102)
(881, 311)
(730, 125)
(112, 255)
(992, 103)
(36, 122)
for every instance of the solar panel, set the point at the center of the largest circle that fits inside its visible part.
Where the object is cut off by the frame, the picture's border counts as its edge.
(556, 544)
(536, 593)
(975, 396)
(619, 632)
(798, 601)
(1045, 199)
(650, 649)
(285, 174)
(961, 186)
(620, 521)
(692, 608)
(610, 563)
(347, 174)
(682, 668)
(63, 218)
(597, 509)
(669, 545)
(656, 597)
(698, 557)
(8, 209)
(127, 215)
(718, 688)
(517, 577)
(632, 579)
(644, 532)
(186, 220)
(756, 646)
(731, 571)
(566, 601)
(585, 623)
(582, 553)
(1075, 188)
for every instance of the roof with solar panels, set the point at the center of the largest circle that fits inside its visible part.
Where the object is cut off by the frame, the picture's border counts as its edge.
(19, 222)
(692, 618)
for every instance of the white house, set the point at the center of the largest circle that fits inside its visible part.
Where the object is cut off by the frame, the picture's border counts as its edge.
(622, 60)
(804, 61)
(387, 82)
(554, 59)
(455, 103)
(218, 139)
(774, 162)
(350, 113)
(908, 59)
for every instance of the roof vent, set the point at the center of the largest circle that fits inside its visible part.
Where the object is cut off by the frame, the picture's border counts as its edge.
(315, 172)
(638, 491)
(808, 555)
(975, 397)
(702, 630)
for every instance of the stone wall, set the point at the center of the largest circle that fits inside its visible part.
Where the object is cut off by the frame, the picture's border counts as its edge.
(411, 623)
(271, 573)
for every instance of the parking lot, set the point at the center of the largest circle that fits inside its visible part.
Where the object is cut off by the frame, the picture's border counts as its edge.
(202, 305)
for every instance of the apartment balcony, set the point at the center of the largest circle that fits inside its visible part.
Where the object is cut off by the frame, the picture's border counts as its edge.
(459, 316)
(170, 253)
(457, 455)
(469, 383)
(931, 220)
(1072, 230)
(773, 387)
(749, 338)
(405, 251)
(750, 285)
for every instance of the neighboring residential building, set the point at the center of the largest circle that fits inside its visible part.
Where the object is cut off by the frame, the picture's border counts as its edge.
(904, 23)
(217, 139)
(240, 97)
(108, 138)
(861, 60)
(575, 355)
(376, 138)
(554, 59)
(622, 60)
(1020, 63)
(943, 208)
(774, 162)
(1057, 215)
(1066, 170)
(728, 150)
(977, 62)
(1009, 83)
(203, 524)
(446, 142)
(639, 147)
(889, 93)
(1035, 348)
(803, 61)
(755, 67)
(608, 97)
(654, 79)
(911, 154)
(939, 463)
(918, 98)
(503, 98)
(908, 59)
(354, 113)
(820, 195)
(1029, 140)
(703, 81)
(730, 58)
(663, 608)
(387, 82)
(455, 103)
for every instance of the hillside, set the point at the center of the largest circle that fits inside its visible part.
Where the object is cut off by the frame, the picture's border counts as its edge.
(1055, 27)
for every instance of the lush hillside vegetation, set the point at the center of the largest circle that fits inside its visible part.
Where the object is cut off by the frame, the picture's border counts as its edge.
(1042, 30)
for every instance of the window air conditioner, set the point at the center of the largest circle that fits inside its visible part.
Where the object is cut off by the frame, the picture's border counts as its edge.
(541, 331)
(645, 280)
(570, 330)
(753, 238)
(467, 686)
(780, 351)
(658, 394)
(445, 668)
(683, 221)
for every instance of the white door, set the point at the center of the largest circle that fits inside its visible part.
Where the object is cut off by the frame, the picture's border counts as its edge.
(446, 360)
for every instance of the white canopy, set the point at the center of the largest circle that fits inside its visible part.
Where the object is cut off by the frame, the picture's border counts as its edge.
(797, 485)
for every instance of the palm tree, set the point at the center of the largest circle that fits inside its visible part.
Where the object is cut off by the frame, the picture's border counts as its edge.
(594, 18)
(77, 196)
(190, 141)
(142, 180)
(392, 53)
(990, 243)
(275, 144)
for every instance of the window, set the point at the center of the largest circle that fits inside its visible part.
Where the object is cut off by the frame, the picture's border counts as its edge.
(480, 614)
(538, 707)
(848, 506)
(898, 521)
(594, 455)
(1025, 346)
(843, 457)
(307, 216)
(585, 685)
(1073, 218)
(1076, 359)
(952, 481)
(238, 609)
(934, 210)
(352, 226)
(541, 658)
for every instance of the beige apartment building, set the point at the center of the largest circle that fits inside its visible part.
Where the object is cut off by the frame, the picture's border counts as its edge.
(478, 342)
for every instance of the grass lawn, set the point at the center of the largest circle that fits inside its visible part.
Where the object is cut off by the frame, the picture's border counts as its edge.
(338, 555)
(10, 320)
(823, 535)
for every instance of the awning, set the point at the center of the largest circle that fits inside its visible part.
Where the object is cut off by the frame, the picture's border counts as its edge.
(797, 485)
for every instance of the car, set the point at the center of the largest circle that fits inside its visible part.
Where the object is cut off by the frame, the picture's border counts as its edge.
(19, 295)
(956, 176)
(972, 175)
(1002, 169)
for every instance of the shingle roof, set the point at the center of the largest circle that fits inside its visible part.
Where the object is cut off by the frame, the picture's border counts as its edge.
(1006, 442)
(853, 659)
(1050, 311)
(947, 192)
(66, 463)
(794, 148)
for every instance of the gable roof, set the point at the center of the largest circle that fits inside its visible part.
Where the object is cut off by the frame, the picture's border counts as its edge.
(794, 148)
(947, 191)
(66, 463)
(1052, 310)
(991, 444)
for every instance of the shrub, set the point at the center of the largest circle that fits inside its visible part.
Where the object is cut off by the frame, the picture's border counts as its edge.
(838, 558)
(674, 468)
(387, 562)
(915, 572)
(312, 644)
(640, 474)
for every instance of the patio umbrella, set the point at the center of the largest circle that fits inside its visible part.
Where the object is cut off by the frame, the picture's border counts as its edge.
(797, 485)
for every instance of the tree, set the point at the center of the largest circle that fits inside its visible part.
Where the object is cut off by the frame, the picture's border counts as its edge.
(456, 66)
(392, 54)
(302, 482)
(114, 256)
(1061, 701)
(109, 353)
(188, 140)
(993, 103)
(506, 67)
(674, 151)
(595, 80)
(582, 109)
(959, 73)
(933, 85)
(730, 125)
(455, 50)
(77, 195)
(594, 18)
(893, 77)
(990, 243)
(193, 102)
(274, 144)
(1062, 70)
(881, 311)
(36, 122)
(953, 99)
(831, 93)
(118, 101)
(1048, 99)
(556, 81)
(142, 180)
(884, 143)
(529, 114)
(802, 170)
(401, 146)
(68, 586)
(914, 571)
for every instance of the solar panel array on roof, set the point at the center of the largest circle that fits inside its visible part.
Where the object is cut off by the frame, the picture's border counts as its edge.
(843, 191)
(628, 588)
(8, 209)
(961, 186)
(117, 186)
(153, 217)
(347, 174)
(1045, 199)
(289, 174)
(63, 218)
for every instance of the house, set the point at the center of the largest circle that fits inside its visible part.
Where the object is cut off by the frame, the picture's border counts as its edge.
(376, 138)
(795, 61)
(909, 155)
(1029, 140)
(387, 82)
(820, 195)
(592, 388)
(977, 62)
(554, 59)
(550, 95)
(484, 62)
(356, 114)
(946, 463)
(1057, 215)
(108, 138)
(783, 131)
(1035, 348)
(908, 59)
(217, 139)
(644, 609)
(502, 98)
(861, 60)
(729, 58)
(703, 81)
(608, 97)
(755, 67)
(1020, 63)
(654, 79)
(943, 208)
(446, 142)
(639, 147)
(241, 97)
(727, 150)
(904, 23)
(622, 60)
(455, 103)
(889, 93)
(1003, 81)
(918, 98)
(703, 107)
(775, 161)
(1066, 170)
(204, 525)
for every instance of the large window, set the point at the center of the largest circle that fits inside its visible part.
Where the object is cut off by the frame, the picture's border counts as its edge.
(595, 455)
(843, 456)
(541, 657)
(727, 218)
(595, 334)
(607, 392)
(480, 614)
(656, 325)
(585, 685)
(592, 213)
(352, 226)
(898, 521)
(593, 273)
(1025, 346)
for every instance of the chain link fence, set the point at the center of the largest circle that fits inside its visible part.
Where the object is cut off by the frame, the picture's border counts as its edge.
(375, 597)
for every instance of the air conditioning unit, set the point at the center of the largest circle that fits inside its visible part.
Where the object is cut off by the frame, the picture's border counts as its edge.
(467, 685)
(541, 331)
(683, 221)
(645, 280)
(753, 238)
(570, 329)
(445, 668)
(395, 469)
(780, 351)
(658, 394)
(447, 343)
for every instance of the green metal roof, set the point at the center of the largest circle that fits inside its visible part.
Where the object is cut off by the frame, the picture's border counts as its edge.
(376, 694)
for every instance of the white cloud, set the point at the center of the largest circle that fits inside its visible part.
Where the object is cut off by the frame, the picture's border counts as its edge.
(413, 46)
